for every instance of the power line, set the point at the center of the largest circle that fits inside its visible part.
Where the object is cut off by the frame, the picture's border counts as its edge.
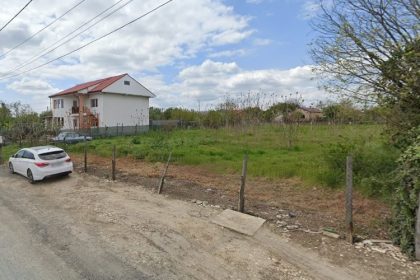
(93, 41)
(42, 29)
(42, 53)
(7, 23)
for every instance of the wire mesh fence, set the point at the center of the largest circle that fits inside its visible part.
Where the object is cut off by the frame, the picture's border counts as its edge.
(110, 131)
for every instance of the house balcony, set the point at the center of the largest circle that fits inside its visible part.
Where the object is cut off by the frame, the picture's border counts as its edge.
(74, 110)
(86, 118)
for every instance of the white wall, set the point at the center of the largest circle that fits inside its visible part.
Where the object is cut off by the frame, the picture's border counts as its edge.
(117, 104)
(135, 88)
(128, 110)
(66, 112)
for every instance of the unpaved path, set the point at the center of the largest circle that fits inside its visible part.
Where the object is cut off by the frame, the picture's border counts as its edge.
(82, 227)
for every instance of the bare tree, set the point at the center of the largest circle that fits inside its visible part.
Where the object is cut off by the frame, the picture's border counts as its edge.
(357, 38)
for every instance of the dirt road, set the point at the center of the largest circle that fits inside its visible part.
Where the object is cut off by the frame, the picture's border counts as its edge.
(83, 227)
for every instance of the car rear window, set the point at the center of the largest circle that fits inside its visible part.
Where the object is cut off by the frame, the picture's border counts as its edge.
(52, 155)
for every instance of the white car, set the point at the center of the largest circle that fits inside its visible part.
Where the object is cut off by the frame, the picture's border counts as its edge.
(38, 163)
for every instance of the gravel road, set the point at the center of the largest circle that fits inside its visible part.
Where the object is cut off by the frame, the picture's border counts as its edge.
(83, 227)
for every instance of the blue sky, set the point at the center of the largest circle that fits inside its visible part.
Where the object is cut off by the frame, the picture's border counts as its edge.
(284, 24)
(189, 51)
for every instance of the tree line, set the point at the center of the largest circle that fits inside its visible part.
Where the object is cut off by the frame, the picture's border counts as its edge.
(232, 113)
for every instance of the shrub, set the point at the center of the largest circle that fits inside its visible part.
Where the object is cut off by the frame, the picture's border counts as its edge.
(136, 140)
(373, 165)
(406, 198)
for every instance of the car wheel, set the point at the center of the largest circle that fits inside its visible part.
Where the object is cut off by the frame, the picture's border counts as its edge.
(30, 176)
(11, 168)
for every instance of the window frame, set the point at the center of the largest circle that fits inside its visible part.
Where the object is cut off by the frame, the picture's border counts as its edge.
(94, 103)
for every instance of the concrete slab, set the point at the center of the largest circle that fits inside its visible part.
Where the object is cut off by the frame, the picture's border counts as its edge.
(239, 222)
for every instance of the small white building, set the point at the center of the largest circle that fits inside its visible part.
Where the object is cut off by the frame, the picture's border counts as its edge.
(113, 101)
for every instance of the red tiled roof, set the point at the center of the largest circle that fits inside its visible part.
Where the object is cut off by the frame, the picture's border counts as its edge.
(97, 85)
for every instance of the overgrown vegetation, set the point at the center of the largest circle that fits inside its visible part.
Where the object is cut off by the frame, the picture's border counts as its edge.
(311, 158)
(18, 123)
(407, 194)
(236, 113)
(369, 50)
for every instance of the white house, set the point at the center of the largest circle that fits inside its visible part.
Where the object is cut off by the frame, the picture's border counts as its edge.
(118, 100)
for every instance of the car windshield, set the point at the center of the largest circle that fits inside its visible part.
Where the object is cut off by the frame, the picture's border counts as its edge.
(52, 155)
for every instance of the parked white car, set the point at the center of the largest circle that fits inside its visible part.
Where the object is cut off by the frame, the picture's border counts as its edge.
(38, 163)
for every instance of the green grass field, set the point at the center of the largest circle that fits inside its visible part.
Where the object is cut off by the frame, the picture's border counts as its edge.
(314, 151)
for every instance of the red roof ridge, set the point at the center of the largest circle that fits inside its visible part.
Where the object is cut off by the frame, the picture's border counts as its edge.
(98, 85)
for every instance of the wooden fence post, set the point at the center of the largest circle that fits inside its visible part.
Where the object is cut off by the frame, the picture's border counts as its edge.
(349, 199)
(417, 238)
(241, 206)
(85, 156)
(162, 179)
(113, 163)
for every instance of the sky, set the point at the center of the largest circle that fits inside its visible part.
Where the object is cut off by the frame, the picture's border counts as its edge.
(189, 53)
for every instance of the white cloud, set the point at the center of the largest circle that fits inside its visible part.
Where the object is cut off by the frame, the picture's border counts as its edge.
(311, 8)
(35, 89)
(177, 31)
(211, 81)
(167, 38)
(228, 53)
(32, 87)
(261, 42)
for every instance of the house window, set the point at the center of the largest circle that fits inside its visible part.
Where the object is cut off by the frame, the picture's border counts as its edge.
(127, 83)
(59, 121)
(75, 123)
(94, 103)
(58, 103)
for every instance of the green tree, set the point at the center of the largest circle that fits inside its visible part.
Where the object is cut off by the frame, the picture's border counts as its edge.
(5, 115)
(155, 113)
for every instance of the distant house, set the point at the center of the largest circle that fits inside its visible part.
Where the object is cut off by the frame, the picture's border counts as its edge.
(300, 114)
(309, 113)
(118, 100)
